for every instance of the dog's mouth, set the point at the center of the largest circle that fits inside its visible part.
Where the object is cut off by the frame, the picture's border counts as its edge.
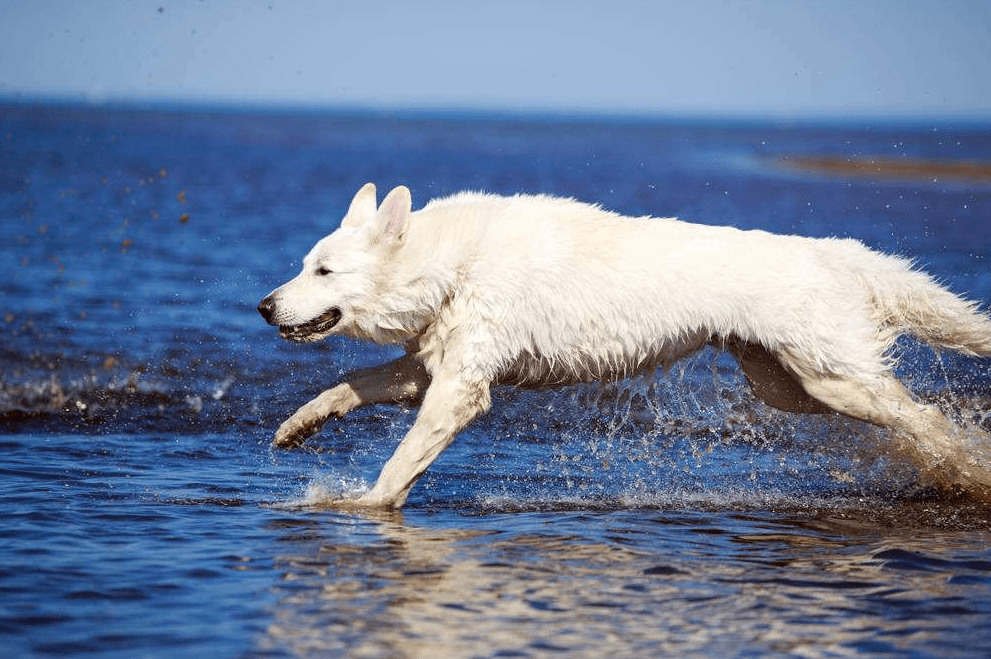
(312, 329)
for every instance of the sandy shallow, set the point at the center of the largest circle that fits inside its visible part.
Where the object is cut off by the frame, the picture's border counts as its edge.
(890, 168)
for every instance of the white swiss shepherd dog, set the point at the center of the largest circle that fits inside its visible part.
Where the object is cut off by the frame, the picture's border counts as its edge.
(537, 290)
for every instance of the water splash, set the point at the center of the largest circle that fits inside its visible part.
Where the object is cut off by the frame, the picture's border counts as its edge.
(694, 437)
(697, 437)
(110, 394)
(326, 489)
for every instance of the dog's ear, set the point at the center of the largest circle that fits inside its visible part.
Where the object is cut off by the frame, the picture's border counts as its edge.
(362, 207)
(393, 215)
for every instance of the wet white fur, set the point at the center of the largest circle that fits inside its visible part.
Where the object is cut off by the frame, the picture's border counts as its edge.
(539, 290)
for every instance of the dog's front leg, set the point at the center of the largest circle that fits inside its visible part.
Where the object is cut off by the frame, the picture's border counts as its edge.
(398, 381)
(449, 405)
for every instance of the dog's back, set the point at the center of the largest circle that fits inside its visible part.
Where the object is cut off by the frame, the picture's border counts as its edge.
(565, 291)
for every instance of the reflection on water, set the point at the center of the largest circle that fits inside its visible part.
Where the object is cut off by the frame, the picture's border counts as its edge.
(627, 584)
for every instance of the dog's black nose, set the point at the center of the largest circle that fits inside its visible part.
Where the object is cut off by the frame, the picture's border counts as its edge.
(267, 309)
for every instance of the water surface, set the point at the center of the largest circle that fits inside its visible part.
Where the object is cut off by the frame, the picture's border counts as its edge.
(147, 516)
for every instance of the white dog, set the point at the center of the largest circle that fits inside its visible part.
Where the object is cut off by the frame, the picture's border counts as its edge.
(537, 290)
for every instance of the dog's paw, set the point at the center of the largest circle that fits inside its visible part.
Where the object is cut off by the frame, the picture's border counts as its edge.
(296, 429)
(308, 419)
(371, 501)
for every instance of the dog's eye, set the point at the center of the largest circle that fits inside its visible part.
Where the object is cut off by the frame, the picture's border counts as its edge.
(323, 270)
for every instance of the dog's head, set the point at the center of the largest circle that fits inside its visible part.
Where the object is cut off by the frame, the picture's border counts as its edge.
(342, 274)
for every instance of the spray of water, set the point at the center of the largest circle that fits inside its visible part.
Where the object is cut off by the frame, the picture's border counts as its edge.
(694, 437)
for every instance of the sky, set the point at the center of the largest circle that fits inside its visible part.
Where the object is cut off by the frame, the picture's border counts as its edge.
(781, 58)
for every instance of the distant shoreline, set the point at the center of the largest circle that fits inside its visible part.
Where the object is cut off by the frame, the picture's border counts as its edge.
(890, 168)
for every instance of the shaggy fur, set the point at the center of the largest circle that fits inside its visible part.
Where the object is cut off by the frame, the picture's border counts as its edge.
(537, 290)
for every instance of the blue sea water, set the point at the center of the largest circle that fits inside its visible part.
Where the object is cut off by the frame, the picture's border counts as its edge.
(145, 514)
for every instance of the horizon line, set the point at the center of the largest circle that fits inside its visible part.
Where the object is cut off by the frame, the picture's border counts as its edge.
(492, 111)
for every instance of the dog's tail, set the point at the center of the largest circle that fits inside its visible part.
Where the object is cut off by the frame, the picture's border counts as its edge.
(909, 301)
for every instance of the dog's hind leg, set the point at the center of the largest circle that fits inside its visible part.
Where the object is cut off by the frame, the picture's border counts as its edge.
(450, 404)
(400, 381)
(926, 435)
(771, 382)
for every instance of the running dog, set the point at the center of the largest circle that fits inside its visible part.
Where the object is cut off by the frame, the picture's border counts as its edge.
(537, 291)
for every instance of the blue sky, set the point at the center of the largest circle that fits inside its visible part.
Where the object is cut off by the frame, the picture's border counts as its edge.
(837, 58)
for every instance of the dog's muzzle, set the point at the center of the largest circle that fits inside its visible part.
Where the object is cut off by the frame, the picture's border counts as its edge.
(305, 331)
